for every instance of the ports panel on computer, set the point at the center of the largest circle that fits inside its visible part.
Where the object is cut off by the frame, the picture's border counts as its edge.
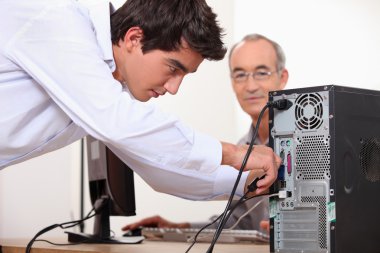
(300, 136)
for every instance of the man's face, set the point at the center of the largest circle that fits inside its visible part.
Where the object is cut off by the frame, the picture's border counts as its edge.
(156, 72)
(255, 57)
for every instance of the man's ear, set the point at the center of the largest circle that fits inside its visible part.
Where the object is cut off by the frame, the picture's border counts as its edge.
(133, 37)
(284, 78)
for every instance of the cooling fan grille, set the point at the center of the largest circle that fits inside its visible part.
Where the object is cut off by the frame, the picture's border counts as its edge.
(309, 111)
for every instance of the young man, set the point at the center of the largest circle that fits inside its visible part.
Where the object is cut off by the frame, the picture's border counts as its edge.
(257, 66)
(67, 70)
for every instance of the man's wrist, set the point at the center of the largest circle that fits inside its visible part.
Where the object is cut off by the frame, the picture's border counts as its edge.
(229, 154)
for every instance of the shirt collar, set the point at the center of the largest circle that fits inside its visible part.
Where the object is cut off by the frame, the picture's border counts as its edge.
(100, 15)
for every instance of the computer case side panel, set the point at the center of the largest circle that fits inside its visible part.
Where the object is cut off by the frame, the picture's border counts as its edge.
(357, 170)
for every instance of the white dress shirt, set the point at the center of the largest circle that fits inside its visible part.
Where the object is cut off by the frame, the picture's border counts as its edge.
(56, 86)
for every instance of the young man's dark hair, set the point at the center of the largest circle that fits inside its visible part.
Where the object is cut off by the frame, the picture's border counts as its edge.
(166, 22)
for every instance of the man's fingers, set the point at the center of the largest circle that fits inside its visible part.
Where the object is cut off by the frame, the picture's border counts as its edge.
(265, 182)
(264, 159)
(148, 222)
(270, 177)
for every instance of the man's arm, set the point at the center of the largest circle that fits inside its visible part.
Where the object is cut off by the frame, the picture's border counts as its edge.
(262, 160)
(160, 222)
(64, 60)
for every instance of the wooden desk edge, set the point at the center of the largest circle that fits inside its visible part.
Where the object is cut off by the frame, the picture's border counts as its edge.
(18, 246)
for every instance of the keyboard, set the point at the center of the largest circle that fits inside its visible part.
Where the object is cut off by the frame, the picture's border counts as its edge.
(188, 234)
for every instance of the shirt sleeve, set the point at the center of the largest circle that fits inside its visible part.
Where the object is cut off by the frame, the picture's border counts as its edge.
(59, 50)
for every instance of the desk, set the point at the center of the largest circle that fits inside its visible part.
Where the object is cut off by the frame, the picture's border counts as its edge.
(18, 246)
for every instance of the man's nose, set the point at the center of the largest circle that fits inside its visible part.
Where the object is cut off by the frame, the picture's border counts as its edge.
(251, 83)
(172, 85)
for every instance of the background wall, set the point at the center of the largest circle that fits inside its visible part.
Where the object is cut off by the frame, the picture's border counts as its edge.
(38, 193)
(326, 42)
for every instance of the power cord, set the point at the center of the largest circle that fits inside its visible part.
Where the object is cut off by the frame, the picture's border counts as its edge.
(281, 104)
(194, 238)
(64, 225)
(251, 209)
(224, 214)
(239, 202)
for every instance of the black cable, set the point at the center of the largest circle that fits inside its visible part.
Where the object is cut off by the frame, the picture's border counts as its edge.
(57, 244)
(204, 227)
(250, 188)
(239, 202)
(224, 214)
(81, 194)
(64, 225)
(281, 104)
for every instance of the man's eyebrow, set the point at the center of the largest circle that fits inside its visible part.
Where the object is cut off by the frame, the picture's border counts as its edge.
(179, 65)
(256, 68)
(237, 69)
(262, 67)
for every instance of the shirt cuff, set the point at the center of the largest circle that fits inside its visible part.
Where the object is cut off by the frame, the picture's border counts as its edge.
(206, 153)
(226, 177)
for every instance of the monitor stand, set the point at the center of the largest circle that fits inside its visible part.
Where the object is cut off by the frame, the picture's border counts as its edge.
(102, 228)
(87, 238)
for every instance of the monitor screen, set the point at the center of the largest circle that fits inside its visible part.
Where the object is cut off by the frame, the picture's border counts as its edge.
(112, 192)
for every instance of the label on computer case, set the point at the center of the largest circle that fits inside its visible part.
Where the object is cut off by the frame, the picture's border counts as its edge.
(331, 212)
(272, 208)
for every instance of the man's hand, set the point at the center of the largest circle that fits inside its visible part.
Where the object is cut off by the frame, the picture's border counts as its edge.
(262, 161)
(155, 221)
(264, 224)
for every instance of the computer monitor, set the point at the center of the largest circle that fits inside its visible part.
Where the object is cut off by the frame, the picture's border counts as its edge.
(112, 192)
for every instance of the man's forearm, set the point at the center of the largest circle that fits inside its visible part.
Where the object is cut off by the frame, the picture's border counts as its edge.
(229, 153)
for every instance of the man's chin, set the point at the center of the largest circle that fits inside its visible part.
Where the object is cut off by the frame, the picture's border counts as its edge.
(141, 98)
(254, 112)
(146, 99)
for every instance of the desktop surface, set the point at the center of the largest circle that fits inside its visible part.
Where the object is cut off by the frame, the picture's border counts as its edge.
(18, 246)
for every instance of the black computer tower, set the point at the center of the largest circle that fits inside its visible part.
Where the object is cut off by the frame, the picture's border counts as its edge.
(329, 141)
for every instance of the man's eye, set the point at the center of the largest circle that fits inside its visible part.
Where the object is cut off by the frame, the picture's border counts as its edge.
(261, 73)
(172, 69)
(240, 75)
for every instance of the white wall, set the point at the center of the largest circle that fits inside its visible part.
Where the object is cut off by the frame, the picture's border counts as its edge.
(326, 41)
(38, 193)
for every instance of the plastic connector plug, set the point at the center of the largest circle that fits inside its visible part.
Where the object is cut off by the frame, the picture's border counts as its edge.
(253, 185)
(282, 104)
(282, 194)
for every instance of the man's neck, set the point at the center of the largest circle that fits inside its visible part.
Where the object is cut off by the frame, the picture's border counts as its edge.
(116, 73)
(263, 131)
